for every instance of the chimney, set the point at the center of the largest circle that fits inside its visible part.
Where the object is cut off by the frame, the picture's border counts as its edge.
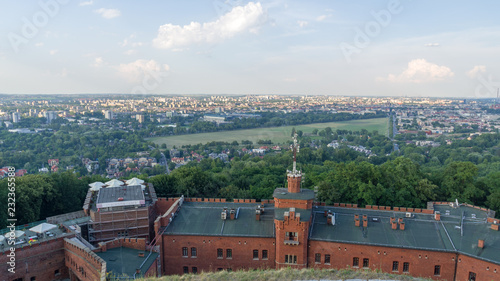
(393, 219)
(365, 217)
(329, 219)
(356, 216)
(394, 225)
(400, 220)
(232, 213)
(494, 227)
(356, 222)
(437, 215)
(402, 225)
(326, 213)
(257, 213)
(480, 244)
(365, 222)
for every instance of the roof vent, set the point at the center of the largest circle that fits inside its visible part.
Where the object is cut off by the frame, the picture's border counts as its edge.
(120, 198)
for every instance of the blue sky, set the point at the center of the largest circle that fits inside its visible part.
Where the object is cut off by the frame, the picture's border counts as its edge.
(382, 48)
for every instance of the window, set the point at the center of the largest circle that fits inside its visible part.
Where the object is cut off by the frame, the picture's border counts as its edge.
(327, 259)
(56, 272)
(291, 259)
(437, 270)
(472, 276)
(229, 269)
(317, 258)
(194, 269)
(184, 252)
(219, 253)
(264, 254)
(229, 253)
(292, 236)
(355, 262)
(395, 266)
(33, 278)
(255, 254)
(193, 252)
(366, 262)
(18, 279)
(220, 269)
(185, 269)
(406, 267)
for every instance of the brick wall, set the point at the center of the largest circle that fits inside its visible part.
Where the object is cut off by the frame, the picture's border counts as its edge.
(483, 270)
(83, 263)
(206, 249)
(132, 243)
(44, 261)
(421, 263)
(291, 203)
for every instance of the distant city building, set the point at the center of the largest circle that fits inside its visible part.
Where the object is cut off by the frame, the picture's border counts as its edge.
(140, 118)
(108, 114)
(8, 124)
(50, 116)
(16, 117)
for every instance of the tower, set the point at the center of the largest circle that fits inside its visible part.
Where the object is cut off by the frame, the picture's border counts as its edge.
(293, 213)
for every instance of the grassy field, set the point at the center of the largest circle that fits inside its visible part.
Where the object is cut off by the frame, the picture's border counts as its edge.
(288, 274)
(275, 134)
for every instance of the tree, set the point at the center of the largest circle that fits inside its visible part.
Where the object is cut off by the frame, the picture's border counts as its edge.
(459, 182)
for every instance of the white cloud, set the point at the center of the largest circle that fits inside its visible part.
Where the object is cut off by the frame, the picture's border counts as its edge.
(108, 13)
(86, 3)
(432, 45)
(421, 71)
(302, 23)
(129, 52)
(98, 62)
(322, 18)
(474, 72)
(53, 52)
(135, 71)
(238, 20)
(39, 44)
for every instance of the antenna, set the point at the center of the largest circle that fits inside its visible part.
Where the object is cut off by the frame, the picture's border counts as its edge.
(295, 147)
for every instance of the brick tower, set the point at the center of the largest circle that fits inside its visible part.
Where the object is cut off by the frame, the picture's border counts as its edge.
(293, 212)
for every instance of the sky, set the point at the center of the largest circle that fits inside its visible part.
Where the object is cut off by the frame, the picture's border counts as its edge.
(350, 48)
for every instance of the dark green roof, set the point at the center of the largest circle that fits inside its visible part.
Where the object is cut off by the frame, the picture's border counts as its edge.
(305, 215)
(421, 230)
(124, 261)
(200, 218)
(304, 194)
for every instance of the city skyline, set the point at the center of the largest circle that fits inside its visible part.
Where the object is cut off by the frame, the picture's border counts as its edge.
(362, 48)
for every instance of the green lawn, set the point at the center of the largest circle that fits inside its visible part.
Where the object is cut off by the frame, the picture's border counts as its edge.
(275, 134)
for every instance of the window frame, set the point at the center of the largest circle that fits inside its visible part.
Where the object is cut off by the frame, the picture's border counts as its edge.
(395, 266)
(317, 258)
(264, 255)
(406, 267)
(194, 270)
(220, 253)
(194, 253)
(355, 262)
(185, 252)
(327, 258)
(366, 263)
(185, 269)
(437, 270)
(229, 253)
(255, 254)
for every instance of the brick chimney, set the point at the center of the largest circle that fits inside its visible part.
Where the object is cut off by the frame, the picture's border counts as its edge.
(103, 246)
(400, 220)
(365, 222)
(402, 225)
(394, 225)
(232, 213)
(356, 222)
(437, 215)
(329, 219)
(480, 244)
(393, 219)
(494, 227)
